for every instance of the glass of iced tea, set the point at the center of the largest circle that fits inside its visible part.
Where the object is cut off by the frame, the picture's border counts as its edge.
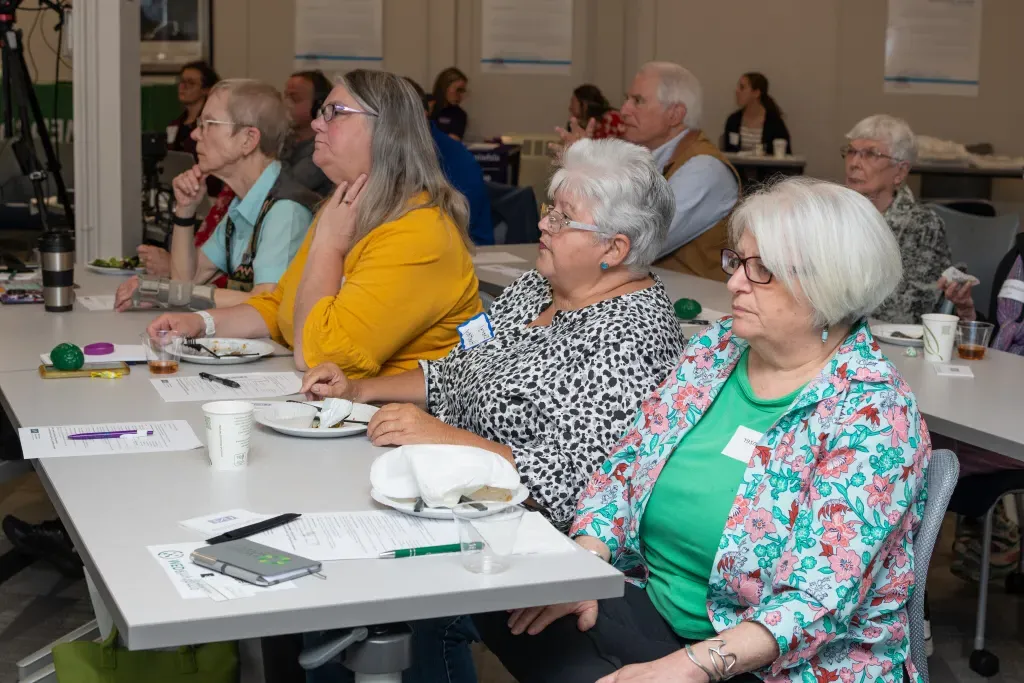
(972, 339)
(162, 351)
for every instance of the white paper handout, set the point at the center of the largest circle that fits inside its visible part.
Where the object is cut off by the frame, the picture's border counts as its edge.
(218, 523)
(192, 581)
(327, 536)
(99, 302)
(254, 385)
(122, 352)
(507, 271)
(489, 257)
(53, 442)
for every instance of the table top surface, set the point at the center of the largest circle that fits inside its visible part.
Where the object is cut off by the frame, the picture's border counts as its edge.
(789, 161)
(114, 506)
(983, 411)
(962, 169)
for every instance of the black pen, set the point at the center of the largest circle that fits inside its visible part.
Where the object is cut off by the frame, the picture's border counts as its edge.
(253, 529)
(226, 382)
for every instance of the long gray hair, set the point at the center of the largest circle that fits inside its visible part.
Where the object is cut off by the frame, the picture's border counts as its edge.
(403, 158)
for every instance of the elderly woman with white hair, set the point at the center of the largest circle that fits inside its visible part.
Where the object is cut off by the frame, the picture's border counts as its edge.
(879, 153)
(764, 502)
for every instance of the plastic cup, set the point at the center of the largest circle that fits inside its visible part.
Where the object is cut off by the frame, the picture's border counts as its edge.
(228, 429)
(487, 535)
(759, 150)
(162, 351)
(939, 335)
(779, 147)
(972, 339)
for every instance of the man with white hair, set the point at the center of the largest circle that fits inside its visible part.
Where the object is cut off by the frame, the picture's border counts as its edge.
(663, 113)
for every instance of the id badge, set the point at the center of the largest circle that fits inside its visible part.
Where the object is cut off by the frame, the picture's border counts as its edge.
(475, 331)
(734, 139)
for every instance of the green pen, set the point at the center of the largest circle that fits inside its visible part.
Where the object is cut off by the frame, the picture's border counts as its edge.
(429, 550)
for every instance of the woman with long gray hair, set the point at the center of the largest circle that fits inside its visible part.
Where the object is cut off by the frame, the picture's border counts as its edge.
(393, 237)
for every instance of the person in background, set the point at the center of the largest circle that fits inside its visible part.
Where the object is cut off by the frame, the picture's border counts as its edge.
(879, 153)
(577, 344)
(384, 277)
(764, 503)
(450, 89)
(239, 138)
(194, 83)
(305, 92)
(758, 121)
(589, 107)
(464, 173)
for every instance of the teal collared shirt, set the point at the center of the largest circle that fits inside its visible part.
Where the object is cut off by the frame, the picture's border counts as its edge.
(284, 228)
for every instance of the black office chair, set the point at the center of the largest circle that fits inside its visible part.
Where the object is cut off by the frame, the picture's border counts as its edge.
(514, 214)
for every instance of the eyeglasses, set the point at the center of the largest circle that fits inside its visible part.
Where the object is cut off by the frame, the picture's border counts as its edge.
(865, 154)
(753, 267)
(556, 221)
(332, 109)
(202, 123)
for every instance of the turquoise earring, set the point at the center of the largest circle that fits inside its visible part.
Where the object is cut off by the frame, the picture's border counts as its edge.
(604, 266)
(824, 334)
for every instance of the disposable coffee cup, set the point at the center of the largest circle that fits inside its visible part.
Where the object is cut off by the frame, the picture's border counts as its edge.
(779, 148)
(939, 336)
(228, 430)
(57, 261)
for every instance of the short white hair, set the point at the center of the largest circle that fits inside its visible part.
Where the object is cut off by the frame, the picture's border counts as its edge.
(893, 131)
(677, 85)
(621, 186)
(825, 243)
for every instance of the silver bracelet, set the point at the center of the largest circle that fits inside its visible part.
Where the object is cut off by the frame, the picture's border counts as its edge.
(723, 662)
(693, 658)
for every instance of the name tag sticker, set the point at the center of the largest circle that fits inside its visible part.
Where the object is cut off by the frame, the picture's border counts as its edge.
(734, 138)
(742, 444)
(1012, 289)
(475, 331)
(172, 133)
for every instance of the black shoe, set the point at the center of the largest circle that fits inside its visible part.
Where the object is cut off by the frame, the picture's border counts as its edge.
(48, 541)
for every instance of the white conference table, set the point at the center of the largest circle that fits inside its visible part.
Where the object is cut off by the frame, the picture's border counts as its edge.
(984, 411)
(114, 506)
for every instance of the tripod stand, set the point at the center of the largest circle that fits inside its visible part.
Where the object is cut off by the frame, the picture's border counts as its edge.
(157, 198)
(20, 97)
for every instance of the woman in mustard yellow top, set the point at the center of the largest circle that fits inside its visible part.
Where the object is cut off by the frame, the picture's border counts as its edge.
(384, 276)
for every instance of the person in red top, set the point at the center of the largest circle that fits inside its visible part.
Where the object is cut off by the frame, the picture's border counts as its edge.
(589, 107)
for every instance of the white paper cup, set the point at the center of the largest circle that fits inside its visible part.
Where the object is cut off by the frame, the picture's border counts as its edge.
(228, 428)
(939, 336)
(779, 148)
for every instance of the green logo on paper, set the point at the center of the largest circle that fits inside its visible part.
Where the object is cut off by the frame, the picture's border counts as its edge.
(274, 559)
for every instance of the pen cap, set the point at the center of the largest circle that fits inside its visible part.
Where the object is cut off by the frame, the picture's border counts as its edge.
(228, 429)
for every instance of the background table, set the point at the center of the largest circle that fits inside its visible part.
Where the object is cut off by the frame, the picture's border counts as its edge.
(959, 181)
(756, 170)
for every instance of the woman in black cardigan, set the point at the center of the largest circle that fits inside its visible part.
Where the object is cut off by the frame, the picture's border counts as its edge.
(758, 119)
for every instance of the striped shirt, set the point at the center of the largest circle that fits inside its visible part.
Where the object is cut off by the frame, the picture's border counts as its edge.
(750, 137)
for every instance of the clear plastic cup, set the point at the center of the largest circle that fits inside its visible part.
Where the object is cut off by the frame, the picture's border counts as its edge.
(162, 351)
(487, 535)
(972, 339)
(228, 431)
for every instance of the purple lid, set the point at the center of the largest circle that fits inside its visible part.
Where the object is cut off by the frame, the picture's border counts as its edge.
(99, 349)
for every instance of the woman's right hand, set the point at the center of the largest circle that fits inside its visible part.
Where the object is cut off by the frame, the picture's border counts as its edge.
(189, 190)
(123, 296)
(326, 381)
(185, 324)
(533, 620)
(156, 260)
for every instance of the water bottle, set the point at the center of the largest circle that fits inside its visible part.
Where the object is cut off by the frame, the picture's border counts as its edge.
(57, 258)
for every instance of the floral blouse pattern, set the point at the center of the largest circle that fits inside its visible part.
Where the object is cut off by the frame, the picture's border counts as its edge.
(818, 547)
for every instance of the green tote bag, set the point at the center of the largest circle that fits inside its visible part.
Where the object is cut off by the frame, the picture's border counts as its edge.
(106, 662)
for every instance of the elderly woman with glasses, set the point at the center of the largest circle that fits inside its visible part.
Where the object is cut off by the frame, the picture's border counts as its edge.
(384, 277)
(239, 137)
(879, 153)
(764, 502)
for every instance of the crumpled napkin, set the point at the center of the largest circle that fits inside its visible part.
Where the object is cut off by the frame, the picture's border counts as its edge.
(333, 411)
(955, 275)
(441, 475)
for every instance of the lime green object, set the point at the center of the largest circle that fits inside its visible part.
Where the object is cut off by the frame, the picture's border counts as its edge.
(67, 357)
(687, 309)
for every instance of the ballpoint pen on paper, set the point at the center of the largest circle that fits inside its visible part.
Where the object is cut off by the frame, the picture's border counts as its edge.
(120, 434)
(220, 380)
(256, 528)
(429, 550)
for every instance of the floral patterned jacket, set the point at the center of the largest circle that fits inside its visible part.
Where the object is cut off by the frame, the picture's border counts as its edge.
(818, 547)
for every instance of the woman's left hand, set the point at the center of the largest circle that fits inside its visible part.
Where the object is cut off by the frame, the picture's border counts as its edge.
(675, 668)
(401, 424)
(337, 223)
(959, 293)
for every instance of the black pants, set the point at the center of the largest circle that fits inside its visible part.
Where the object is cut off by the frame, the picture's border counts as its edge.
(629, 630)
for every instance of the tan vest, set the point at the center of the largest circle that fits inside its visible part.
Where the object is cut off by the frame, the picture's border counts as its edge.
(702, 256)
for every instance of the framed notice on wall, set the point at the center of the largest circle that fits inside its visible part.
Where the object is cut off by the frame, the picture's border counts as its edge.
(933, 47)
(526, 37)
(174, 32)
(339, 35)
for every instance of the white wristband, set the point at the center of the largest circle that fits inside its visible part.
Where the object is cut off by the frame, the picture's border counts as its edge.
(211, 327)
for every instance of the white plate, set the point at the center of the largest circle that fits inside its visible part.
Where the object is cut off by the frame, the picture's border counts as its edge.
(102, 270)
(294, 419)
(227, 345)
(884, 332)
(520, 494)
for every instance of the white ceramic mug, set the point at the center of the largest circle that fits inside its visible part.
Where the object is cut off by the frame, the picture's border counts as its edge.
(228, 430)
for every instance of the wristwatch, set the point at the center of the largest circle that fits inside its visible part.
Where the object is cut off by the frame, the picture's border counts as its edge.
(211, 327)
(190, 222)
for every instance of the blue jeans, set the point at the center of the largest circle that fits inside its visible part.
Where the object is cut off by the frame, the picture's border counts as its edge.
(440, 654)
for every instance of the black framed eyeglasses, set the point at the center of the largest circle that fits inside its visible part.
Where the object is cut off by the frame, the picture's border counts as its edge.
(865, 154)
(753, 266)
(332, 109)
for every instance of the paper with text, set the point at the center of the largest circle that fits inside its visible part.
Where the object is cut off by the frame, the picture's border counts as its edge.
(254, 385)
(218, 523)
(99, 302)
(53, 442)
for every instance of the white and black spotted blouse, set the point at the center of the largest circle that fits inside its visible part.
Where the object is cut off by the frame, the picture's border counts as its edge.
(559, 396)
